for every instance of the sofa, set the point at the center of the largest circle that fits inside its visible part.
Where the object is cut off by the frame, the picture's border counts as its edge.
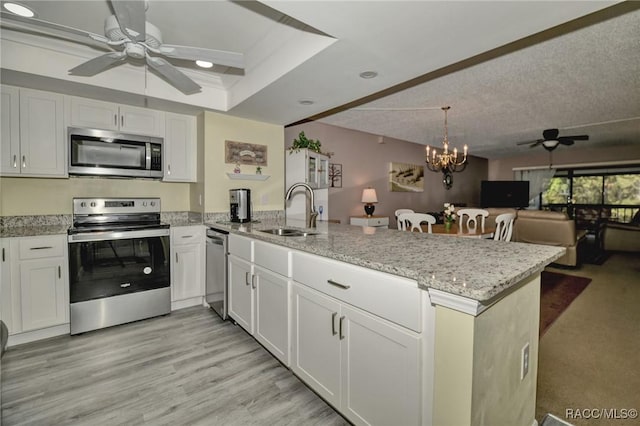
(544, 227)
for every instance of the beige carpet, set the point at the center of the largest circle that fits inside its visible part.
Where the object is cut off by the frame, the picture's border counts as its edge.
(590, 358)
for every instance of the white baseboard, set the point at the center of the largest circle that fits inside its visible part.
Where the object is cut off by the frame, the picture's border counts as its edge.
(32, 336)
(187, 303)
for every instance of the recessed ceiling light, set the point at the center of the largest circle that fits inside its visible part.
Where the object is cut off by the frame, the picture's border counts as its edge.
(368, 74)
(305, 102)
(18, 9)
(204, 64)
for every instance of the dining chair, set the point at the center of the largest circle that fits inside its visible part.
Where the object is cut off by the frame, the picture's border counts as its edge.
(399, 212)
(504, 227)
(472, 217)
(411, 221)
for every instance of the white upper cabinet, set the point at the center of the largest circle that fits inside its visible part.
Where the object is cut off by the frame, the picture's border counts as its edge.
(94, 114)
(180, 148)
(10, 131)
(141, 121)
(33, 138)
(309, 167)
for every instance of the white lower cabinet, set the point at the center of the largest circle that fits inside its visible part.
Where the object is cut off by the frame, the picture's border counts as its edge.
(272, 312)
(188, 266)
(35, 286)
(259, 292)
(42, 291)
(365, 366)
(241, 297)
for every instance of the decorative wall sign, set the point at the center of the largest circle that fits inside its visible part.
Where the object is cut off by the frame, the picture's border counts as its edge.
(245, 153)
(335, 175)
(406, 177)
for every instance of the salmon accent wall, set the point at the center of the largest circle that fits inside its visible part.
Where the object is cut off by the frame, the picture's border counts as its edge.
(365, 162)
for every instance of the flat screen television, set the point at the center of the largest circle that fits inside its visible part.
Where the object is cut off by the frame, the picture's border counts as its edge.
(504, 193)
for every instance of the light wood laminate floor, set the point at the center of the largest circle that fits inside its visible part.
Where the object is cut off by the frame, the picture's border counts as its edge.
(189, 367)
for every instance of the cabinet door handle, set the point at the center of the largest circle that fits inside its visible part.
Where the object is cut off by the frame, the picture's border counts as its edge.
(24, 161)
(341, 329)
(246, 278)
(59, 271)
(187, 236)
(122, 121)
(168, 169)
(333, 323)
(15, 161)
(41, 248)
(253, 281)
(3, 254)
(115, 119)
(337, 284)
(176, 257)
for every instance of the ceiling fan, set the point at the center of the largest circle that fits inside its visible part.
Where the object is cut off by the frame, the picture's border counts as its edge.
(131, 37)
(551, 140)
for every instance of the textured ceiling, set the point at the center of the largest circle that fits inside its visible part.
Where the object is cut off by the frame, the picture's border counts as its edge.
(508, 69)
(584, 82)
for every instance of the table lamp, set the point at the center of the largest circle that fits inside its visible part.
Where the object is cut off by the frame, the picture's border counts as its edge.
(369, 197)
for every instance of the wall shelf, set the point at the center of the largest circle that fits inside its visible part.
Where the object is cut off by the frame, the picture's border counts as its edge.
(242, 176)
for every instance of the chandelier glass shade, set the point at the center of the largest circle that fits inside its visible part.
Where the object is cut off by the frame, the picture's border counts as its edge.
(447, 161)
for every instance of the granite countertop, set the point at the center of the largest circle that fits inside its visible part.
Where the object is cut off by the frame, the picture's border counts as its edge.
(478, 269)
(32, 230)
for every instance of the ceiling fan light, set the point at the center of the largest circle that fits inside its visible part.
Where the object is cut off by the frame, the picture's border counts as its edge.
(19, 9)
(550, 143)
(204, 64)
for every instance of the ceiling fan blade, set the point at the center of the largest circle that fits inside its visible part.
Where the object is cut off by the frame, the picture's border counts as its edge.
(219, 57)
(131, 18)
(175, 77)
(532, 143)
(40, 26)
(578, 137)
(98, 64)
(550, 134)
(565, 140)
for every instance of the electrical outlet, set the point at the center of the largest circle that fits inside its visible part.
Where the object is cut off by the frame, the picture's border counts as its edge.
(524, 361)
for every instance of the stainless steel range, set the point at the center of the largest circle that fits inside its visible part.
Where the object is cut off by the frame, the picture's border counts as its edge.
(119, 269)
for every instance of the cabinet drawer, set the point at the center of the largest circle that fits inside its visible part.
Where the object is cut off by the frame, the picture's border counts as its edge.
(187, 235)
(40, 247)
(388, 296)
(272, 257)
(379, 221)
(241, 247)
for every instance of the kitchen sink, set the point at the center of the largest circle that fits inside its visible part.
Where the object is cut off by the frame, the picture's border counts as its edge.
(288, 232)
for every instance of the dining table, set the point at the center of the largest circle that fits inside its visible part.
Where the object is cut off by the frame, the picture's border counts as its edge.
(460, 231)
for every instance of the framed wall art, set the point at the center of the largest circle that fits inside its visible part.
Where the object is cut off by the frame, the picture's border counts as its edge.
(335, 175)
(405, 177)
(245, 153)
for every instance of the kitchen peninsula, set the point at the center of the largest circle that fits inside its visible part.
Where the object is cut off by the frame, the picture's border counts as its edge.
(398, 327)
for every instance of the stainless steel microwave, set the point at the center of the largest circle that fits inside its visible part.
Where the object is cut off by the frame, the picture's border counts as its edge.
(107, 153)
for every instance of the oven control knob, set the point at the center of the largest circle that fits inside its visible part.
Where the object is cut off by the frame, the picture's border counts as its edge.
(144, 204)
(93, 204)
(153, 203)
(83, 204)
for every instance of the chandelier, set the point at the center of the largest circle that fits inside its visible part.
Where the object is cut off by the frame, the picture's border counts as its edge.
(446, 162)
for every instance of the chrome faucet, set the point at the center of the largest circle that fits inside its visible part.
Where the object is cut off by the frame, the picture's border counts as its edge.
(313, 214)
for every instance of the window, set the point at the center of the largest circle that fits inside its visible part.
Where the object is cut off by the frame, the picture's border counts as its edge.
(598, 195)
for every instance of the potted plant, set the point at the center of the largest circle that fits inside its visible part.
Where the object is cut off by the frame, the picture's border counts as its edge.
(303, 142)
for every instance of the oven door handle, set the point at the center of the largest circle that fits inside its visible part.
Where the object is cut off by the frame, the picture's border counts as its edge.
(117, 235)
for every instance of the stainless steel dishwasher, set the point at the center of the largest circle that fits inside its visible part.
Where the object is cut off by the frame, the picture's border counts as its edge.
(216, 295)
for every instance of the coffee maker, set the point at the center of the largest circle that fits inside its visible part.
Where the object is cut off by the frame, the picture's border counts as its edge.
(240, 205)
